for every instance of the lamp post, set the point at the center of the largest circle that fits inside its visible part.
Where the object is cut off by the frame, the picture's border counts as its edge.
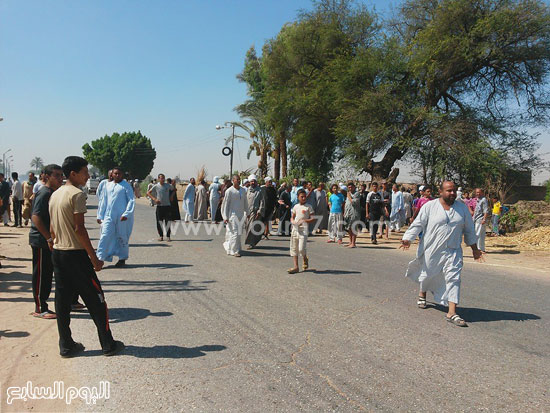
(232, 126)
(9, 163)
(4, 161)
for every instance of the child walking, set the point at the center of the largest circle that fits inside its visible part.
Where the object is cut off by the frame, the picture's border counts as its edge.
(336, 217)
(302, 215)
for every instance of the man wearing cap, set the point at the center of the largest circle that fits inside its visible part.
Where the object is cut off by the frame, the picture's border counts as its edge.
(255, 197)
(214, 191)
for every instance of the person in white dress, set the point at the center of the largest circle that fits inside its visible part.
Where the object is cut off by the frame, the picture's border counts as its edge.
(438, 263)
(234, 208)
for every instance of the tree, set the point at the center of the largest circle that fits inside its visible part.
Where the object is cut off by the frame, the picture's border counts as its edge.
(466, 57)
(131, 151)
(37, 164)
(337, 84)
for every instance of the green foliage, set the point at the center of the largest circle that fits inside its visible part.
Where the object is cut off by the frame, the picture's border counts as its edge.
(547, 198)
(131, 151)
(440, 78)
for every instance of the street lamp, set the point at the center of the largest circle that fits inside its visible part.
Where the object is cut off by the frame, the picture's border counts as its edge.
(4, 161)
(9, 162)
(232, 126)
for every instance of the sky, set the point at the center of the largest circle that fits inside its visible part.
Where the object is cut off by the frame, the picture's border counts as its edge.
(74, 71)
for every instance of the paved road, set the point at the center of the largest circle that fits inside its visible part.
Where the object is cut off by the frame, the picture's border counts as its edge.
(210, 332)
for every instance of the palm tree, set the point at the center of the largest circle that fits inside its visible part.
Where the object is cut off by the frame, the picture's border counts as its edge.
(259, 133)
(37, 163)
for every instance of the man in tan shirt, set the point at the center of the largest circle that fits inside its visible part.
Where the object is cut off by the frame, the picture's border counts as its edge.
(74, 261)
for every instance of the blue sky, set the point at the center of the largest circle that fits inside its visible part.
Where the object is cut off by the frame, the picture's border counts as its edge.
(73, 71)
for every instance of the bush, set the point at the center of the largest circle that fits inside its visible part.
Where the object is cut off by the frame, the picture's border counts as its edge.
(547, 198)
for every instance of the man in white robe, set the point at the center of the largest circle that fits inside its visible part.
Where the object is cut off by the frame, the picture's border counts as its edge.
(117, 217)
(439, 260)
(481, 213)
(256, 211)
(188, 205)
(201, 202)
(101, 187)
(234, 209)
(214, 191)
(397, 215)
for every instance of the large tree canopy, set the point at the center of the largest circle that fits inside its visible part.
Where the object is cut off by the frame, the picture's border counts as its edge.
(131, 151)
(459, 75)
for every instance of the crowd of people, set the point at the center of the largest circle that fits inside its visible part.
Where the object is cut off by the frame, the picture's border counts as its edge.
(61, 246)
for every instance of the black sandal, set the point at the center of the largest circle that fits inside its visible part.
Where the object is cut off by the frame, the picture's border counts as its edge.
(456, 320)
(421, 303)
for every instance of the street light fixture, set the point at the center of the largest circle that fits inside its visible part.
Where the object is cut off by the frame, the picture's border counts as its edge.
(232, 126)
(4, 161)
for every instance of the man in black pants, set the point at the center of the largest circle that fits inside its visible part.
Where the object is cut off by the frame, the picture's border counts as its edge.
(17, 197)
(375, 210)
(160, 195)
(41, 241)
(74, 261)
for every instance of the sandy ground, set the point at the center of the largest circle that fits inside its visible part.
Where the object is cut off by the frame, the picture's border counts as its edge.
(29, 345)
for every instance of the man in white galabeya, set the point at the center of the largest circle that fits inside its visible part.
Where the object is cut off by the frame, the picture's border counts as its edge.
(234, 208)
(116, 213)
(438, 264)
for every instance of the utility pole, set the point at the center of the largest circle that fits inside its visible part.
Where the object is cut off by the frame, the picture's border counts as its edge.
(232, 146)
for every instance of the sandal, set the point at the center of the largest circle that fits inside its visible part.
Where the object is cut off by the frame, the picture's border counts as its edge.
(421, 303)
(456, 320)
(306, 263)
(47, 315)
(293, 270)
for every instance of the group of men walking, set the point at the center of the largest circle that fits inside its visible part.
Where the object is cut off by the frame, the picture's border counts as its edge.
(61, 246)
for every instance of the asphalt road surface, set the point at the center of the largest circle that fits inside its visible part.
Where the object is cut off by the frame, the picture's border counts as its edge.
(211, 332)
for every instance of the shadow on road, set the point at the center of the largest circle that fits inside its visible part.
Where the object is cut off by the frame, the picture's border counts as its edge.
(148, 245)
(255, 252)
(154, 265)
(270, 248)
(150, 286)
(120, 315)
(162, 352)
(192, 240)
(505, 251)
(13, 334)
(335, 272)
(171, 352)
(477, 315)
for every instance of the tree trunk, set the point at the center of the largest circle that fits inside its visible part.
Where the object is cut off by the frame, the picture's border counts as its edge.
(382, 170)
(276, 164)
(284, 160)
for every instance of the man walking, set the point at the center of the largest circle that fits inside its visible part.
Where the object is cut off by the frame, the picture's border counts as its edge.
(116, 214)
(41, 241)
(438, 264)
(397, 215)
(255, 197)
(27, 197)
(234, 209)
(375, 210)
(189, 201)
(481, 212)
(74, 261)
(17, 200)
(285, 211)
(215, 192)
(160, 195)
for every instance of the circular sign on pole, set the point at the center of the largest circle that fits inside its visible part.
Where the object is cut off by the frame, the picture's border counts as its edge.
(226, 151)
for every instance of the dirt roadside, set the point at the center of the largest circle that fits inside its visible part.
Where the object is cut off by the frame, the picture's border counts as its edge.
(28, 344)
